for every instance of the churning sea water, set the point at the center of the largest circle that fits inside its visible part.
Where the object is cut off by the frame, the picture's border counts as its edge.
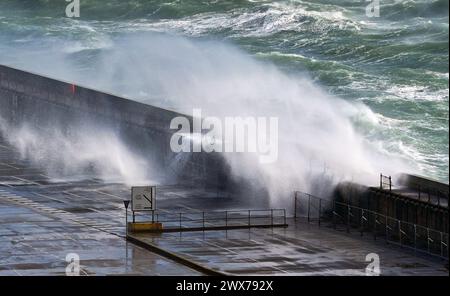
(393, 68)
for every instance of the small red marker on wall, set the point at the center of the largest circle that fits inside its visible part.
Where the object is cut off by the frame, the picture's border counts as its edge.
(72, 87)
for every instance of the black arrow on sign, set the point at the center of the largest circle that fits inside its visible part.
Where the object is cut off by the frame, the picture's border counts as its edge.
(147, 199)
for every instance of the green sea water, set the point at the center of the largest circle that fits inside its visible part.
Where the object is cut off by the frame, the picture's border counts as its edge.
(395, 64)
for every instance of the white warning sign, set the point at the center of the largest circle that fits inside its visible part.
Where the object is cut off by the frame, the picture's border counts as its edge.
(143, 198)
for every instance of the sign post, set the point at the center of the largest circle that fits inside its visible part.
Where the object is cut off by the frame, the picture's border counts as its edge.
(143, 198)
(126, 203)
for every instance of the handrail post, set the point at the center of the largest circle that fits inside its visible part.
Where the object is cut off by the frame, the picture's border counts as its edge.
(180, 220)
(428, 239)
(447, 245)
(249, 215)
(442, 246)
(295, 205)
(226, 218)
(348, 218)
(375, 227)
(203, 220)
(309, 206)
(390, 183)
(284, 213)
(362, 222)
(387, 228)
(334, 214)
(415, 238)
(320, 209)
(271, 217)
(400, 232)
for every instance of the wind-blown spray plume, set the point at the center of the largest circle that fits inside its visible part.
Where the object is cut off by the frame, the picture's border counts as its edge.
(77, 152)
(317, 141)
(318, 145)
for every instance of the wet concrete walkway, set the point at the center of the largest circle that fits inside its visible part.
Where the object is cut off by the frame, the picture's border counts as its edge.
(35, 240)
(300, 249)
(42, 220)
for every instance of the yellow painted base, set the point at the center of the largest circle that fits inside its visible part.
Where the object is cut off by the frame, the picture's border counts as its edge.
(144, 226)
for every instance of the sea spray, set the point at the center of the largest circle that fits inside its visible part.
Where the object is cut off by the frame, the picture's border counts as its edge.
(77, 152)
(396, 65)
(318, 145)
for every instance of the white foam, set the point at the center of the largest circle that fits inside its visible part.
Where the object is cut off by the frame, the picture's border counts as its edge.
(77, 153)
(224, 81)
(417, 93)
(276, 18)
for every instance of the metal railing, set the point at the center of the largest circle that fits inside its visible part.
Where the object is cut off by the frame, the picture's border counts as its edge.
(394, 231)
(203, 220)
(421, 192)
(429, 195)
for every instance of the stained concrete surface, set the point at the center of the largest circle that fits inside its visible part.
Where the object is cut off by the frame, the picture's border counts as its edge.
(300, 249)
(42, 220)
(35, 241)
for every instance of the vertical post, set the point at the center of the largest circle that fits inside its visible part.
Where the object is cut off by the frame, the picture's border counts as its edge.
(334, 214)
(390, 183)
(249, 215)
(362, 222)
(271, 217)
(284, 213)
(153, 216)
(375, 227)
(381, 181)
(203, 220)
(386, 202)
(416, 216)
(226, 218)
(180, 220)
(134, 218)
(387, 228)
(446, 245)
(415, 238)
(428, 239)
(295, 205)
(309, 205)
(400, 232)
(126, 221)
(348, 218)
(320, 209)
(442, 245)
(407, 211)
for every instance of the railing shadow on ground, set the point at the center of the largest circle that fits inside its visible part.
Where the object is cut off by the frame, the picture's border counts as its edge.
(341, 215)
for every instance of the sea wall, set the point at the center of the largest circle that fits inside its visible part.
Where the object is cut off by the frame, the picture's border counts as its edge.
(396, 205)
(44, 102)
